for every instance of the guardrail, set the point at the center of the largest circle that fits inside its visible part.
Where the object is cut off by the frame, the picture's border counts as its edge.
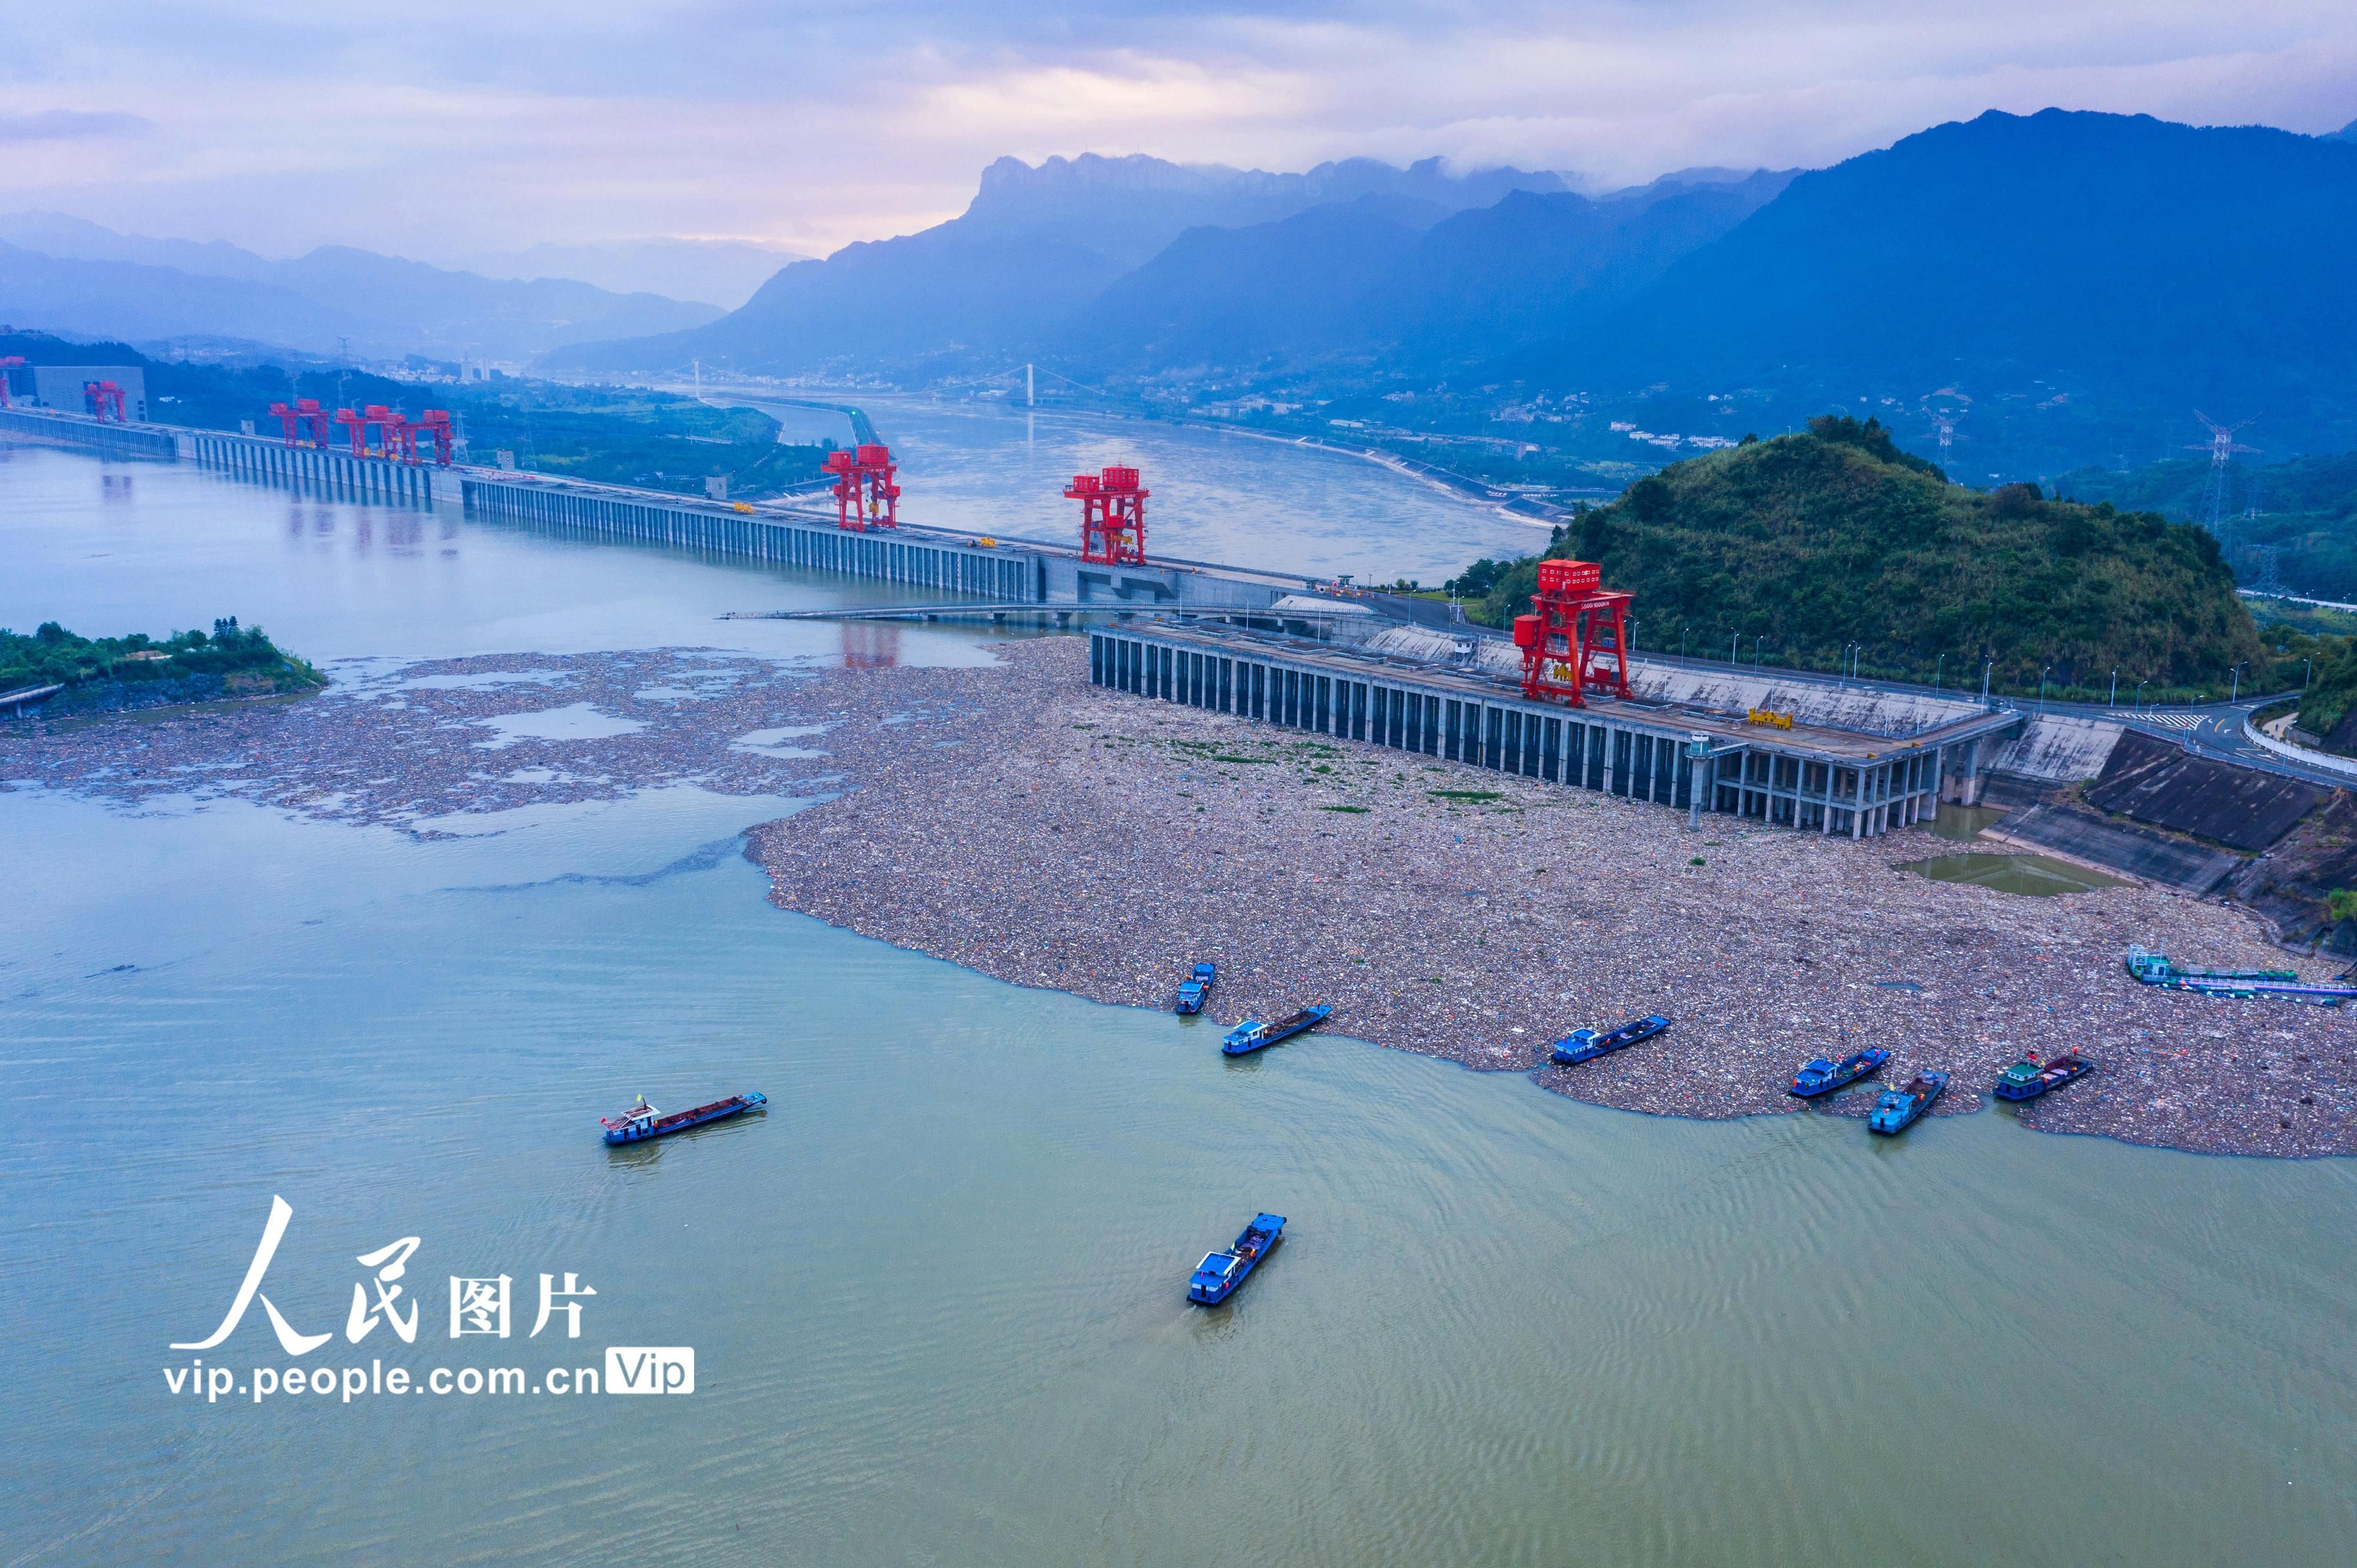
(2325, 760)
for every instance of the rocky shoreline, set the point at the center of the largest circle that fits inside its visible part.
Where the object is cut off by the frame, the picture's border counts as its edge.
(92, 698)
(1013, 818)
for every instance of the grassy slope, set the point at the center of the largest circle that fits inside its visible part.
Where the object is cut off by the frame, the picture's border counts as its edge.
(1816, 541)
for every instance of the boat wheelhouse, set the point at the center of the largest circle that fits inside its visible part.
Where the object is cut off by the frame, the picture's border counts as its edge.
(642, 1121)
(1820, 1076)
(1218, 1275)
(1899, 1109)
(1587, 1045)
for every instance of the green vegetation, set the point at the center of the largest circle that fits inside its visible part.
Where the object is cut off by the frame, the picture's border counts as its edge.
(2305, 510)
(615, 435)
(1805, 544)
(54, 656)
(626, 437)
(1359, 810)
(2325, 706)
(1471, 796)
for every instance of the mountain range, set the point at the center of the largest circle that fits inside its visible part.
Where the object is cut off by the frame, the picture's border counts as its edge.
(1036, 245)
(2094, 251)
(64, 274)
(2071, 285)
(723, 272)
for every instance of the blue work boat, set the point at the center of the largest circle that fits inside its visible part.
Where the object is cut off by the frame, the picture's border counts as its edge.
(1195, 986)
(2029, 1077)
(1587, 1045)
(1251, 1034)
(1898, 1108)
(1218, 1275)
(642, 1121)
(1819, 1076)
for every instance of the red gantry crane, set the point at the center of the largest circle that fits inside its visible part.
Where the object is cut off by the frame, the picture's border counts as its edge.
(400, 439)
(295, 417)
(1576, 638)
(99, 397)
(864, 493)
(375, 413)
(1112, 516)
(435, 424)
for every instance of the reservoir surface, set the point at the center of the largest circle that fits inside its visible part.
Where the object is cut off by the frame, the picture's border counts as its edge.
(1222, 496)
(935, 1293)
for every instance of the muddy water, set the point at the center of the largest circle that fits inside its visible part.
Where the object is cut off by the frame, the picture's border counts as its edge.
(2035, 876)
(935, 1295)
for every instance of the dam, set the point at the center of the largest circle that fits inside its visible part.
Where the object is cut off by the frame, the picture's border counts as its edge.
(1273, 648)
(1812, 777)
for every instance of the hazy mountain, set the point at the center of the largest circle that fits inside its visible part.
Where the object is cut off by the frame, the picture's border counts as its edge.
(722, 273)
(130, 285)
(57, 234)
(2346, 134)
(1400, 279)
(1035, 246)
(1285, 290)
(88, 298)
(455, 313)
(2115, 259)
(1534, 266)
(1130, 207)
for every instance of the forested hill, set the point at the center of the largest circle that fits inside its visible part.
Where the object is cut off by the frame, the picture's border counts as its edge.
(1811, 543)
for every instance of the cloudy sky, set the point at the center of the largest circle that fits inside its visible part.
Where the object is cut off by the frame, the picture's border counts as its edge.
(433, 128)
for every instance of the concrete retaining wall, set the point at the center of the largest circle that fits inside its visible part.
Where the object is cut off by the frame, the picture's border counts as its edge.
(2156, 781)
(2191, 868)
(2059, 749)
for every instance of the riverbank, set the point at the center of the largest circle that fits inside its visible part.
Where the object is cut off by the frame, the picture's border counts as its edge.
(1012, 818)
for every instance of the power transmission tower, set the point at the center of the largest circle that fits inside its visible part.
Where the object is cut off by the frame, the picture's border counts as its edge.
(2269, 585)
(1946, 426)
(2222, 447)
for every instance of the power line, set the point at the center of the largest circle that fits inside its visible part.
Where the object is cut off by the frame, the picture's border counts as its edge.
(2222, 447)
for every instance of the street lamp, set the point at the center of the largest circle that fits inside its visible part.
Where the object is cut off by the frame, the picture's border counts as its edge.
(1935, 673)
(1733, 643)
(2113, 699)
(1755, 645)
(2139, 696)
(1682, 643)
(2236, 695)
(2306, 671)
(2041, 687)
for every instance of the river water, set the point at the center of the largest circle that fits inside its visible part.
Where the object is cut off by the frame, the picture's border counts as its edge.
(1221, 496)
(935, 1294)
